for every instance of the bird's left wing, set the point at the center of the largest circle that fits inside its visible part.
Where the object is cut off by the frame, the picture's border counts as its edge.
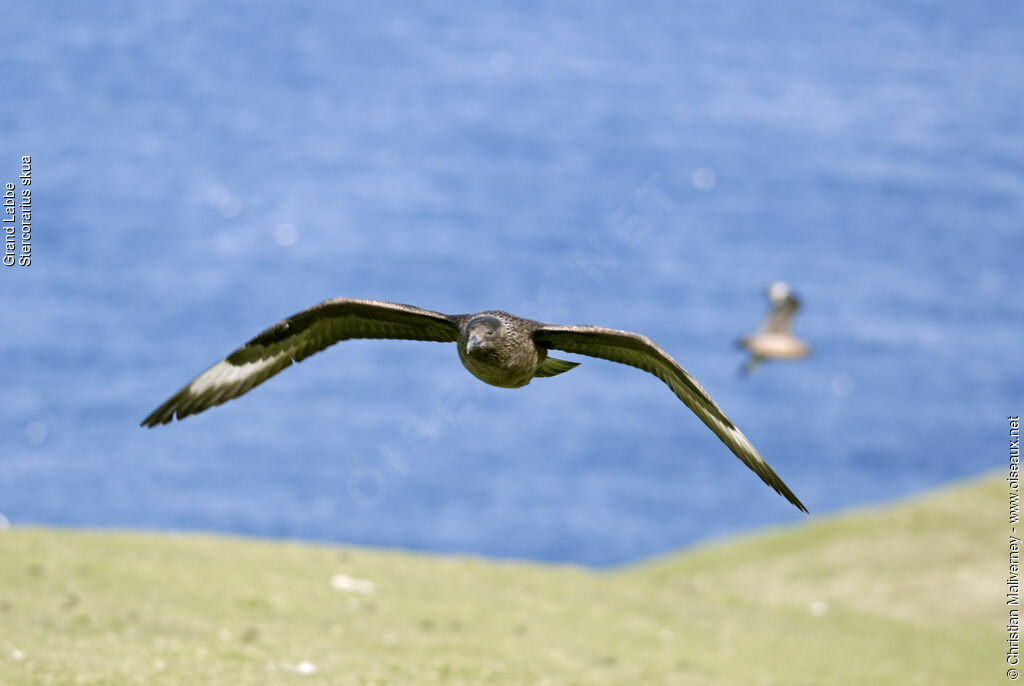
(296, 338)
(641, 352)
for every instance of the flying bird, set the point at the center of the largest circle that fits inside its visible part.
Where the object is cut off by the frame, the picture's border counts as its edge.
(774, 340)
(496, 347)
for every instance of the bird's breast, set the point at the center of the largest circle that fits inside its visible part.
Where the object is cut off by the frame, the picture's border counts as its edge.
(510, 370)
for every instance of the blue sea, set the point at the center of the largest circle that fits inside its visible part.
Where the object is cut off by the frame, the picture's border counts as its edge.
(199, 172)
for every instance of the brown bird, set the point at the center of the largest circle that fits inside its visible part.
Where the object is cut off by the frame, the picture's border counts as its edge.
(774, 340)
(496, 347)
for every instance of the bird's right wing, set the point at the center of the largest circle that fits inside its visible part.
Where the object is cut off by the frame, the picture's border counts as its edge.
(296, 338)
(777, 320)
(641, 352)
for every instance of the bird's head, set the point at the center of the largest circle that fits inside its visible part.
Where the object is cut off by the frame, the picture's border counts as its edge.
(778, 292)
(482, 335)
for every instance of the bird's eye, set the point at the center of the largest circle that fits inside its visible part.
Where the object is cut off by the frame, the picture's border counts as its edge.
(490, 332)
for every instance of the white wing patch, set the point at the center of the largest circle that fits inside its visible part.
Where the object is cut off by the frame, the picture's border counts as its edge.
(225, 375)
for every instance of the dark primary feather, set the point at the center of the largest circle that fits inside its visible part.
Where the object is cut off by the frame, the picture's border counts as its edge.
(295, 339)
(641, 352)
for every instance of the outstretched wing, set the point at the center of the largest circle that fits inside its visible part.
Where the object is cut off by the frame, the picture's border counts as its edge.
(641, 352)
(296, 338)
(777, 320)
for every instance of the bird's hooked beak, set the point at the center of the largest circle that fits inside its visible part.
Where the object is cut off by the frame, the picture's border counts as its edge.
(473, 343)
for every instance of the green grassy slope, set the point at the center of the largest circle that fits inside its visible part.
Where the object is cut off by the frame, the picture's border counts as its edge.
(908, 594)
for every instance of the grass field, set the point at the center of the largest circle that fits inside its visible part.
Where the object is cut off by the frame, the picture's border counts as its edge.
(906, 594)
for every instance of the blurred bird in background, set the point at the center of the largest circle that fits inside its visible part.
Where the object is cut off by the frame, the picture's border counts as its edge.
(774, 340)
